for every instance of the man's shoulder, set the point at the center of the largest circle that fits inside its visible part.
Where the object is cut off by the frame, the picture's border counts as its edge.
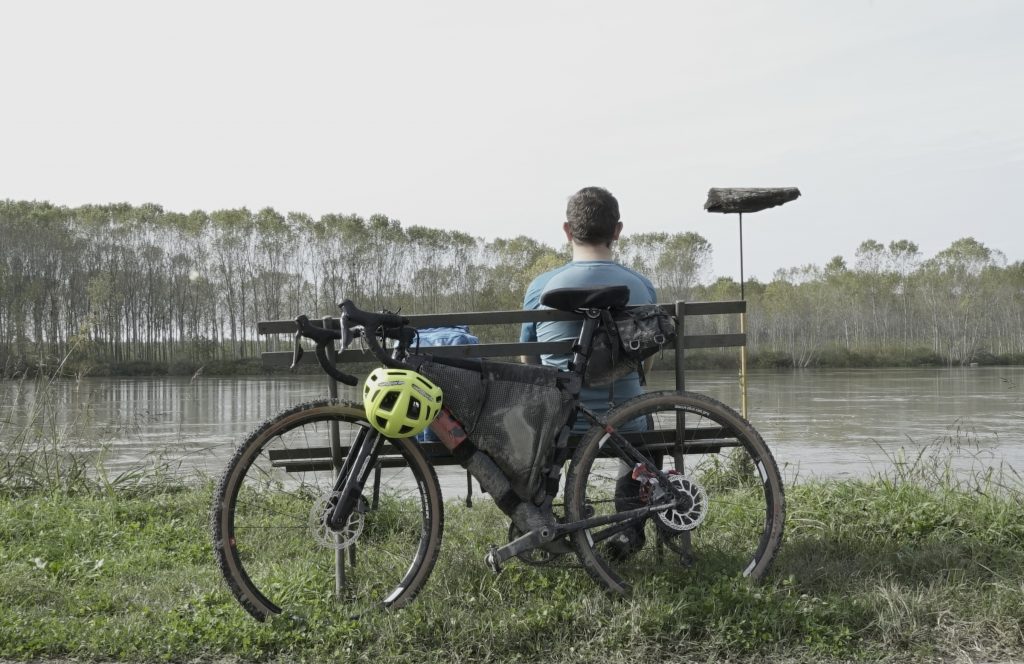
(636, 274)
(629, 274)
(644, 282)
(536, 287)
(579, 274)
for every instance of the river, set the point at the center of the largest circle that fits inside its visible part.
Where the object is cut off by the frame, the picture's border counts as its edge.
(836, 423)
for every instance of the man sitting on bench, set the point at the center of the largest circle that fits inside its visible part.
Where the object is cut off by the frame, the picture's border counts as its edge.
(592, 224)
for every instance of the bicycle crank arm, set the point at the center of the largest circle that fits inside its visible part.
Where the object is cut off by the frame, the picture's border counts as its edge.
(496, 556)
(531, 540)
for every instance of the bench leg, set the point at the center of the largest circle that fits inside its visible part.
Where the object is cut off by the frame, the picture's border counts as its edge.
(376, 486)
(336, 460)
(685, 544)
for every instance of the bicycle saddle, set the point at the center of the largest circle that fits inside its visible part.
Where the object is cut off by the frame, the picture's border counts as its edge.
(573, 299)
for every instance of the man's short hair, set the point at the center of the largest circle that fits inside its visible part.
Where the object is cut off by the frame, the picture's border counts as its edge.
(593, 214)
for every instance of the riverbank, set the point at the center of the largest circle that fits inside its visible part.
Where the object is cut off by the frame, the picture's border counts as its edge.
(902, 568)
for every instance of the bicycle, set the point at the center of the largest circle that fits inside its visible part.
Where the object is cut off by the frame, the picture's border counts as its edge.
(289, 508)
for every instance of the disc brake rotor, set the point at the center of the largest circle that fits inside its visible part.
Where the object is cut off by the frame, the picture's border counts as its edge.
(344, 536)
(692, 507)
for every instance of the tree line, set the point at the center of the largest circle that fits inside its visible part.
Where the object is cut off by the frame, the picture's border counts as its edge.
(115, 285)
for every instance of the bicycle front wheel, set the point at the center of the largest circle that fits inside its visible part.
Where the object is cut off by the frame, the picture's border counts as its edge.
(270, 537)
(730, 521)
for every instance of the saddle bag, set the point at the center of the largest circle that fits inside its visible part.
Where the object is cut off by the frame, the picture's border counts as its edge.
(625, 339)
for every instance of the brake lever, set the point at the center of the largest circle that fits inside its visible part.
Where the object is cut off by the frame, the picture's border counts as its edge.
(346, 332)
(297, 351)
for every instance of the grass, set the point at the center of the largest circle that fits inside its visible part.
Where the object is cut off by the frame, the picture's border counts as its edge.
(886, 569)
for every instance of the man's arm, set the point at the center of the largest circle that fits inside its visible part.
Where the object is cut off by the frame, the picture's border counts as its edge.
(528, 332)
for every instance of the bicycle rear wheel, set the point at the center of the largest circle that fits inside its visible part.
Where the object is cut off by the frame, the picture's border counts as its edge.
(269, 535)
(731, 521)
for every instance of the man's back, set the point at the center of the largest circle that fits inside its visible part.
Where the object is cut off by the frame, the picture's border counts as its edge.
(586, 274)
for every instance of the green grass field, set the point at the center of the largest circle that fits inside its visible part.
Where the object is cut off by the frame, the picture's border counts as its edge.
(888, 569)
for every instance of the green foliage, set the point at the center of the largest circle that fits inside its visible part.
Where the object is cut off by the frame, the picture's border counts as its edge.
(771, 360)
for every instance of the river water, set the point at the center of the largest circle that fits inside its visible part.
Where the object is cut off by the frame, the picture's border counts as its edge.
(850, 422)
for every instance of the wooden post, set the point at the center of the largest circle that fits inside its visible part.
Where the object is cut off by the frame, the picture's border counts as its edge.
(677, 449)
(678, 454)
(337, 459)
(742, 327)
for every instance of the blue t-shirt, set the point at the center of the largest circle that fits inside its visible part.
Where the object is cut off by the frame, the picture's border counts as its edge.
(586, 274)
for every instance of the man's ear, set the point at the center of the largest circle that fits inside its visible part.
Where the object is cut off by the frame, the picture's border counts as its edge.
(618, 229)
(568, 231)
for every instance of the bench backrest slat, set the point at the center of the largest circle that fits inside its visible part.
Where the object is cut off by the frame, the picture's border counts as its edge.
(282, 359)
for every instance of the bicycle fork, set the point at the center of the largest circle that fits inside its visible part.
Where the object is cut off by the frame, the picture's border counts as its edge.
(358, 463)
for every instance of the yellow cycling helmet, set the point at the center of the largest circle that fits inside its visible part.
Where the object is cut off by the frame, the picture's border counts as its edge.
(400, 402)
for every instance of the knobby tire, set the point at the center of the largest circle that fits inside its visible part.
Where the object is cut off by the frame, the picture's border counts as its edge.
(744, 508)
(265, 531)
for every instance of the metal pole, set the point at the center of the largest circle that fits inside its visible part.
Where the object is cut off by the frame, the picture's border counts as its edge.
(743, 330)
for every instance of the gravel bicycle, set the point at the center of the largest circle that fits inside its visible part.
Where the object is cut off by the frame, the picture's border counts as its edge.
(317, 493)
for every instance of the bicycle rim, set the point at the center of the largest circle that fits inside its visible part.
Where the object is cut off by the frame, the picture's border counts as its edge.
(272, 545)
(733, 523)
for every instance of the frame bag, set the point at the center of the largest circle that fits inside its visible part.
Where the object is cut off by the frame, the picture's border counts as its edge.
(510, 411)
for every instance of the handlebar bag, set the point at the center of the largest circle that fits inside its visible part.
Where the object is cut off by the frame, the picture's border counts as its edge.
(513, 412)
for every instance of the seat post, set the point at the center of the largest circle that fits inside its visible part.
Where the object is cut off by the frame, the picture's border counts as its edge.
(578, 361)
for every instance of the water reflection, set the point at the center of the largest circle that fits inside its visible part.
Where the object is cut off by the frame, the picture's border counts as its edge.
(853, 422)
(817, 422)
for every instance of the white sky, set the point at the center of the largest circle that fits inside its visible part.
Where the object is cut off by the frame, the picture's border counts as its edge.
(896, 119)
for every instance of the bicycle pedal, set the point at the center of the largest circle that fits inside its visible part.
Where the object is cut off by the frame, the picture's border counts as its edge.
(491, 559)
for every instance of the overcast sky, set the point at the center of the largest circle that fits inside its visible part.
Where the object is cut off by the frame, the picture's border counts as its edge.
(895, 119)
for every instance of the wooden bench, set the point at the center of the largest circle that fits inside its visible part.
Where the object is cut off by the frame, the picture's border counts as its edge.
(322, 459)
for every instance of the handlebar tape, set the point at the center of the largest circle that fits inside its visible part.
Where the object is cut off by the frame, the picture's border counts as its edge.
(330, 370)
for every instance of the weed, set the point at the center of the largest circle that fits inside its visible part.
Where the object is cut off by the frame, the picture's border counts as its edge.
(49, 454)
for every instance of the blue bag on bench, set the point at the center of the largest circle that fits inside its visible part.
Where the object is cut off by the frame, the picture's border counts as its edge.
(455, 335)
